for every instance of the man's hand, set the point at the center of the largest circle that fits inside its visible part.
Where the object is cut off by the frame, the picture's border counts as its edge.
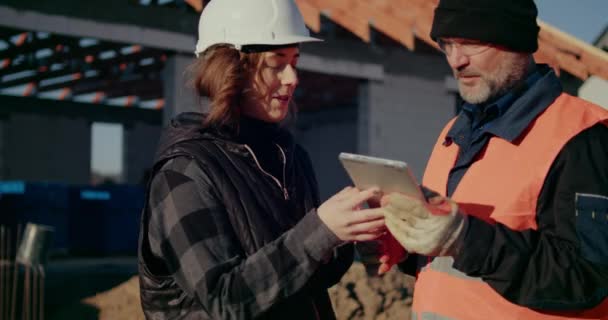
(429, 228)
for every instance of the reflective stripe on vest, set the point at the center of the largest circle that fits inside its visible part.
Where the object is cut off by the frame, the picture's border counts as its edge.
(502, 186)
(429, 316)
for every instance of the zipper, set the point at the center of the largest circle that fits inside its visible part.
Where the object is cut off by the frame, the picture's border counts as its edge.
(285, 193)
(314, 308)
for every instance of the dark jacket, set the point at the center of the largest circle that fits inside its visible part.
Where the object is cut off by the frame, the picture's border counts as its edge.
(221, 238)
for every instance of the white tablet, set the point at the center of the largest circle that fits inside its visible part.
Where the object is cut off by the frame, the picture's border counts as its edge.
(389, 175)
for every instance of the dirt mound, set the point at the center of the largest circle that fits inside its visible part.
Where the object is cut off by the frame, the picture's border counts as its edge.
(357, 296)
(119, 303)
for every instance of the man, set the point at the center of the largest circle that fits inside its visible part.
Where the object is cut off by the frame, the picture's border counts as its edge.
(518, 228)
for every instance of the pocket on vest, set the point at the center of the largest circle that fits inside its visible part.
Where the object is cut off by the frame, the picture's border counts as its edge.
(592, 226)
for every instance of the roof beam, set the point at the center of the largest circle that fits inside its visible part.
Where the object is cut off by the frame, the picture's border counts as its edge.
(96, 113)
(83, 57)
(357, 25)
(31, 46)
(312, 15)
(78, 27)
(105, 78)
(37, 77)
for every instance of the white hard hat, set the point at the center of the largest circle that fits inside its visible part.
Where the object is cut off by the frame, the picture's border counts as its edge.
(251, 22)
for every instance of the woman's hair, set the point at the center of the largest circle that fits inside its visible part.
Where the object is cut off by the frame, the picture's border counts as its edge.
(223, 75)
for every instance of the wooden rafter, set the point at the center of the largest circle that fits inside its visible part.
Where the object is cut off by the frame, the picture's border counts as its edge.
(342, 12)
(574, 55)
(311, 15)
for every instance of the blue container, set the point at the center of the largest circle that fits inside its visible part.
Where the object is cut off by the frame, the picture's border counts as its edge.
(39, 203)
(105, 220)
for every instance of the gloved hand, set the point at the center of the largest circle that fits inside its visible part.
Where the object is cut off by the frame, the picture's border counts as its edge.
(429, 228)
(391, 253)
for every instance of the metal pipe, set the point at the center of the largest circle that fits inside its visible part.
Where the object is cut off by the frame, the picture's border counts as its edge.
(2, 262)
(9, 245)
(42, 277)
(26, 294)
(7, 273)
(34, 292)
(16, 272)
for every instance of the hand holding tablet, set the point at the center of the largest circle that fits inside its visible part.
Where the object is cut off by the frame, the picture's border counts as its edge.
(389, 175)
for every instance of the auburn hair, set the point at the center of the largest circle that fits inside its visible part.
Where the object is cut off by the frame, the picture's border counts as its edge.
(222, 74)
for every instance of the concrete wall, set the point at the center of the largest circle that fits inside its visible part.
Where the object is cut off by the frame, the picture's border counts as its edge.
(140, 141)
(43, 148)
(324, 134)
(178, 96)
(398, 117)
(406, 112)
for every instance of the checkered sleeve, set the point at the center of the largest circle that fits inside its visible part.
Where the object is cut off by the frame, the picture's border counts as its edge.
(190, 230)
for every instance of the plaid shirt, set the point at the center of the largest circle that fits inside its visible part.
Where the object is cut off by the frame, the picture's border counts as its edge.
(190, 230)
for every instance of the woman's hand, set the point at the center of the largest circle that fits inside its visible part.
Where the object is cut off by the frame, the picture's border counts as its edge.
(343, 215)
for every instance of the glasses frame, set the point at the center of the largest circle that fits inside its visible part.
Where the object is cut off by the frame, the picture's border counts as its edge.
(467, 47)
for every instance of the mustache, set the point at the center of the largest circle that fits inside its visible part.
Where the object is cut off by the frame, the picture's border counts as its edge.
(466, 73)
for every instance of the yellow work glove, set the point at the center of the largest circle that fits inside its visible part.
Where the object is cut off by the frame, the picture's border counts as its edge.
(429, 228)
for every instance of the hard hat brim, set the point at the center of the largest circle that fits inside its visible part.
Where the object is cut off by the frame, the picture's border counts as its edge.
(283, 40)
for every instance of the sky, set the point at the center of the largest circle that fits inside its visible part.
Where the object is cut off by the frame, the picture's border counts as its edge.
(106, 148)
(584, 19)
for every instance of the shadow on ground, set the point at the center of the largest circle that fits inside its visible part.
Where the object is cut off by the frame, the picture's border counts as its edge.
(69, 281)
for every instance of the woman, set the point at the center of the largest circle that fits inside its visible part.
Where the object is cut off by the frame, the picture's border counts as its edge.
(230, 229)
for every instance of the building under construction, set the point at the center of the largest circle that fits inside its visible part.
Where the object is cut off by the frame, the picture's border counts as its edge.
(377, 85)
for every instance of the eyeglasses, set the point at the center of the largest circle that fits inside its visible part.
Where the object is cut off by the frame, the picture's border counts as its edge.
(466, 47)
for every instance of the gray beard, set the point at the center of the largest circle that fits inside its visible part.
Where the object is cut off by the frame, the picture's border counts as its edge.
(507, 76)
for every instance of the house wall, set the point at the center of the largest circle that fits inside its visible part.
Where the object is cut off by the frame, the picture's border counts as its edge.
(398, 117)
(178, 96)
(406, 112)
(324, 134)
(595, 89)
(140, 142)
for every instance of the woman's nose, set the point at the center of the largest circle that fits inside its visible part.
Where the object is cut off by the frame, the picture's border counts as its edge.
(289, 76)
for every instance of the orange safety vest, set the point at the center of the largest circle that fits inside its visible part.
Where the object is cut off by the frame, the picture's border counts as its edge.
(501, 186)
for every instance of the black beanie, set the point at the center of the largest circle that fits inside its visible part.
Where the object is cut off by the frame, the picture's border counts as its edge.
(510, 23)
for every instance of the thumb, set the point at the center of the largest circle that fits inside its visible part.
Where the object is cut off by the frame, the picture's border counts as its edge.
(442, 206)
(398, 200)
(384, 268)
(384, 200)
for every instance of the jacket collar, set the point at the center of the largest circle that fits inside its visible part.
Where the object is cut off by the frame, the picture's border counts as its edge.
(519, 107)
(188, 126)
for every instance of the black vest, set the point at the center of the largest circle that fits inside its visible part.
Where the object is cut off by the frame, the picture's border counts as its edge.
(258, 212)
